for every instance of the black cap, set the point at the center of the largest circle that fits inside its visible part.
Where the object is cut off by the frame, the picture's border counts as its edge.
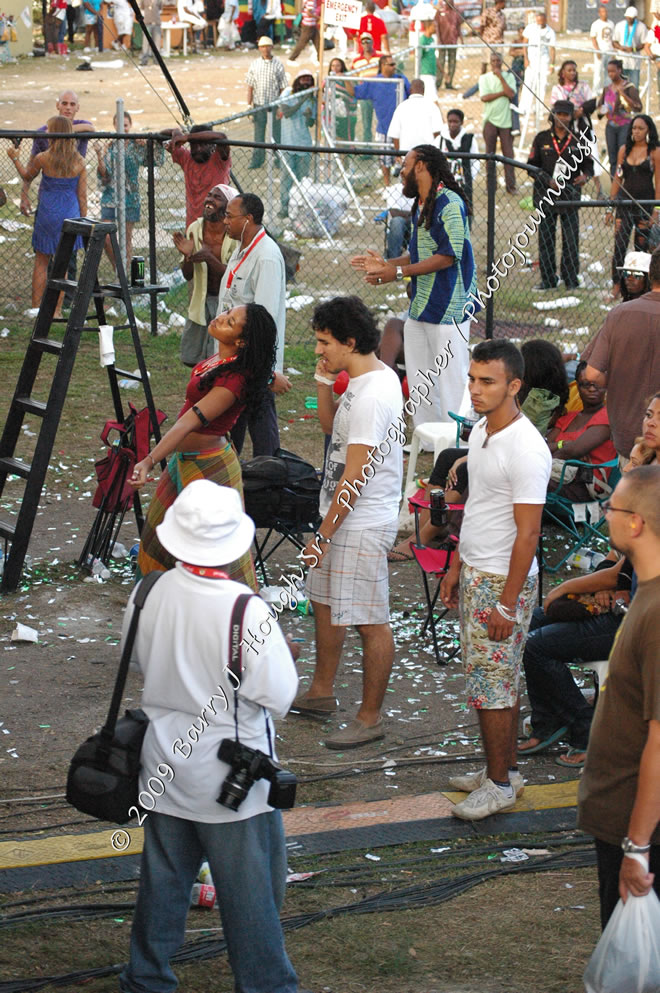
(563, 107)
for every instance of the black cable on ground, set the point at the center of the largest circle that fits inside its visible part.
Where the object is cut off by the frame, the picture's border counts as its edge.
(423, 895)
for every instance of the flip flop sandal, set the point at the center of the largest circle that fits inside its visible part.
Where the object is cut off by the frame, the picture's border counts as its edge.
(545, 743)
(565, 760)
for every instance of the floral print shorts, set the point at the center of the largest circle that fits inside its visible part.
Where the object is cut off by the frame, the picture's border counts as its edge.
(492, 668)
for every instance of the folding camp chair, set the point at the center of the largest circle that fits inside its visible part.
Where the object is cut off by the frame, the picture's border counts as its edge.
(434, 564)
(114, 494)
(582, 521)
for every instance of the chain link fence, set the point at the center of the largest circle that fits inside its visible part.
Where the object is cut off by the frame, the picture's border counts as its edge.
(328, 205)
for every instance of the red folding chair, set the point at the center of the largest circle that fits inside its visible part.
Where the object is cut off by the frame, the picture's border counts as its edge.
(434, 564)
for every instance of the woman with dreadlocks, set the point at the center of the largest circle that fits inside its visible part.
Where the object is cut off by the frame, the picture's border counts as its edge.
(440, 265)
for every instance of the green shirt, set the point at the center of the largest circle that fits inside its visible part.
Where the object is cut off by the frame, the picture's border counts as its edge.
(497, 112)
(427, 60)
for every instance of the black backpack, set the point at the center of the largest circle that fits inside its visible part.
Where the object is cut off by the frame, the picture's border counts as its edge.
(281, 488)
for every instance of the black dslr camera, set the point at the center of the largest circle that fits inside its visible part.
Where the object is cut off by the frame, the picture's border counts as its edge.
(248, 765)
(439, 512)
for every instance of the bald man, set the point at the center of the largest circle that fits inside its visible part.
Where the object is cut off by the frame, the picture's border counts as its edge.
(67, 106)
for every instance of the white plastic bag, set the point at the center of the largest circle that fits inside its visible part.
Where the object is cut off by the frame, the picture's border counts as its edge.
(627, 957)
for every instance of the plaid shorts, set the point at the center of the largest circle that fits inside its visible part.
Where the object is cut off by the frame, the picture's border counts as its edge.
(352, 577)
(492, 668)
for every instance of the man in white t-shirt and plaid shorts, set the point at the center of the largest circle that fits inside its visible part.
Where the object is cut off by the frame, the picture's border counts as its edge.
(493, 577)
(348, 581)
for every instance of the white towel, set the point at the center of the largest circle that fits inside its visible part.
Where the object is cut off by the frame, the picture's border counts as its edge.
(106, 345)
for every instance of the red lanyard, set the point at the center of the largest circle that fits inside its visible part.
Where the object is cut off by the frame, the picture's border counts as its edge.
(254, 243)
(212, 363)
(207, 572)
(559, 150)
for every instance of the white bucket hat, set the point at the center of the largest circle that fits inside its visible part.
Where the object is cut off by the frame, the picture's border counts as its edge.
(206, 525)
(636, 262)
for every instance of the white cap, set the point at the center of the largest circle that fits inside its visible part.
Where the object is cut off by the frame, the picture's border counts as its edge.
(631, 12)
(206, 525)
(264, 40)
(636, 262)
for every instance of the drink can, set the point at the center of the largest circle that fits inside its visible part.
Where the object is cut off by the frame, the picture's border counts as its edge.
(304, 607)
(137, 270)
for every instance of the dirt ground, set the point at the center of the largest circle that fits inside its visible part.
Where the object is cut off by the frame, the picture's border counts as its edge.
(56, 691)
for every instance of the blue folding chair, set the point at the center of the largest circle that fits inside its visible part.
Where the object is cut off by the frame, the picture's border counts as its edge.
(581, 528)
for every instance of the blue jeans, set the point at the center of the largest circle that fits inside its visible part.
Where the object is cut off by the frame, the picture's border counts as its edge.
(248, 865)
(397, 230)
(615, 138)
(553, 693)
(299, 163)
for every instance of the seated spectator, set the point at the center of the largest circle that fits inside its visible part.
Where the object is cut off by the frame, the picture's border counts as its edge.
(583, 435)
(651, 429)
(544, 392)
(577, 623)
(635, 275)
(559, 709)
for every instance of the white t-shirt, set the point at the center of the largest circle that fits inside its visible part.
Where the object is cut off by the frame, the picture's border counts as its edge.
(602, 32)
(182, 649)
(415, 122)
(261, 278)
(624, 36)
(371, 405)
(513, 468)
(540, 41)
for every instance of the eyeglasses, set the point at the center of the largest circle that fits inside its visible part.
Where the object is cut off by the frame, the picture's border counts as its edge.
(631, 272)
(609, 509)
(582, 385)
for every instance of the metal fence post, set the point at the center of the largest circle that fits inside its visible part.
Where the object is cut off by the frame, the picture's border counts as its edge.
(491, 189)
(151, 205)
(120, 185)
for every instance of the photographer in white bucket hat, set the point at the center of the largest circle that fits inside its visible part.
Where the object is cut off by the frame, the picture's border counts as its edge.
(182, 648)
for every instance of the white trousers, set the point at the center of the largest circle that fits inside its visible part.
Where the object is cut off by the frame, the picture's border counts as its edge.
(422, 342)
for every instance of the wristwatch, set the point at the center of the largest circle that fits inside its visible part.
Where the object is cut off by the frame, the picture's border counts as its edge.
(630, 847)
(399, 272)
(322, 539)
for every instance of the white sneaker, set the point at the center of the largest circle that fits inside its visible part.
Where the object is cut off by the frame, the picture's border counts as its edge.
(488, 799)
(473, 780)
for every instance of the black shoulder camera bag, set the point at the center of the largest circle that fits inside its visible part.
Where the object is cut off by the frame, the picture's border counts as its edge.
(103, 775)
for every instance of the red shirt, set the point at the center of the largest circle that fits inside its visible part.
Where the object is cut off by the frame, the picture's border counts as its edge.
(200, 178)
(376, 28)
(232, 381)
(602, 453)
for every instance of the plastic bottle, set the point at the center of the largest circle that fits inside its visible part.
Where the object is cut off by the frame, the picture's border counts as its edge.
(311, 403)
(99, 569)
(204, 874)
(203, 895)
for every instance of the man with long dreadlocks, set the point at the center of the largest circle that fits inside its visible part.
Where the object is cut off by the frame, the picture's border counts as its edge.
(440, 265)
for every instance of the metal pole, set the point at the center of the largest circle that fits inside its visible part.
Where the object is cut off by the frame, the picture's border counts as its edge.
(270, 210)
(491, 189)
(151, 204)
(319, 105)
(120, 185)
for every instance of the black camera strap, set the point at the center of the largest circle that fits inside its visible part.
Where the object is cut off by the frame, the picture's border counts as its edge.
(234, 665)
(143, 590)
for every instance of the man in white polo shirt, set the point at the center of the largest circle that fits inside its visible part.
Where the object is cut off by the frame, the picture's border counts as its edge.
(416, 121)
(255, 273)
(493, 576)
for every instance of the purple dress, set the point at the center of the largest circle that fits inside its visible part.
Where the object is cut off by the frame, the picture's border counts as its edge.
(58, 199)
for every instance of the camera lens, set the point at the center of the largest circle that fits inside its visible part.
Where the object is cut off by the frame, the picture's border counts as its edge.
(234, 790)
